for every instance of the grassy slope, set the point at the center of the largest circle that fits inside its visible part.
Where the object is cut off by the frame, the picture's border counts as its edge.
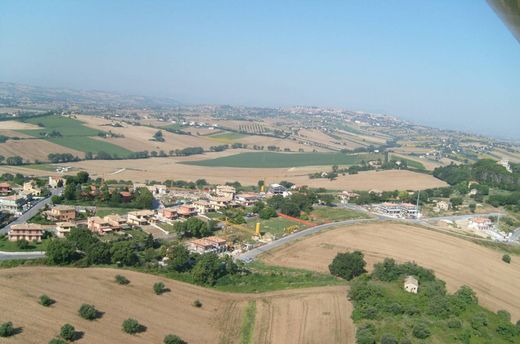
(281, 160)
(331, 214)
(74, 135)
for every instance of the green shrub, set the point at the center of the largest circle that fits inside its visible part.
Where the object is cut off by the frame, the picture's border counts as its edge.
(479, 321)
(122, 280)
(504, 315)
(57, 341)
(68, 332)
(88, 312)
(159, 288)
(197, 303)
(132, 326)
(454, 323)
(420, 330)
(173, 339)
(365, 334)
(388, 339)
(7, 329)
(46, 301)
(506, 258)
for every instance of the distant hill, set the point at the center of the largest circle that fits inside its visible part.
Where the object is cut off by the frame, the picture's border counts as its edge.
(44, 98)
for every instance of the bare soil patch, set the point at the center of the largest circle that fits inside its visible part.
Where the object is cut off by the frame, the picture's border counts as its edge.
(15, 125)
(34, 149)
(454, 260)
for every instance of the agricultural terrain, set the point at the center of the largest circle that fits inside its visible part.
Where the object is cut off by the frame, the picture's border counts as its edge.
(292, 316)
(172, 168)
(496, 283)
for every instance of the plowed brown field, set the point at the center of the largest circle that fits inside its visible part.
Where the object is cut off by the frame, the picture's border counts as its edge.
(456, 261)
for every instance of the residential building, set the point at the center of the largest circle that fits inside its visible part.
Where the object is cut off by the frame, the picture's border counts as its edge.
(168, 213)
(27, 231)
(186, 210)
(62, 213)
(216, 203)
(480, 223)
(277, 189)
(14, 204)
(55, 181)
(63, 228)
(346, 196)
(207, 245)
(5, 188)
(411, 284)
(247, 199)
(31, 188)
(125, 196)
(140, 217)
(225, 191)
(398, 210)
(101, 226)
(201, 206)
(117, 221)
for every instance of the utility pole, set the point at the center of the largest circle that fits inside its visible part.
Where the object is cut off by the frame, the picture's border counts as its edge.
(417, 205)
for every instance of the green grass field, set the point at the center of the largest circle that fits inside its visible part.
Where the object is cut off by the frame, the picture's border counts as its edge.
(74, 135)
(275, 225)
(411, 163)
(11, 246)
(227, 137)
(282, 160)
(333, 214)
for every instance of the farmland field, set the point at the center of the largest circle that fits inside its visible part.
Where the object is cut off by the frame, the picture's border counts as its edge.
(277, 160)
(172, 168)
(457, 261)
(322, 313)
(226, 137)
(333, 214)
(73, 134)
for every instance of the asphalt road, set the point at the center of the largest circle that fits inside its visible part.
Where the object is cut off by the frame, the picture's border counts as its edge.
(21, 255)
(33, 211)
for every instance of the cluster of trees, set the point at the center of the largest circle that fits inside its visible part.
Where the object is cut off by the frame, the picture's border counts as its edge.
(484, 171)
(194, 228)
(380, 303)
(78, 188)
(61, 157)
(295, 204)
(12, 160)
(203, 269)
(158, 136)
(83, 248)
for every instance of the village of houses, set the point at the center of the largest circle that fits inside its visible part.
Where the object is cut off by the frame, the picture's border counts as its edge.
(17, 200)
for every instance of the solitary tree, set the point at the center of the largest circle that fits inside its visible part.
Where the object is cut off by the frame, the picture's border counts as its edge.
(46, 301)
(173, 339)
(68, 332)
(159, 288)
(506, 258)
(7, 329)
(348, 265)
(132, 326)
(57, 341)
(88, 312)
(122, 280)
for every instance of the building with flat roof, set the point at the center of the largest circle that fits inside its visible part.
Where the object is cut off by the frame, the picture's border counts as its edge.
(411, 284)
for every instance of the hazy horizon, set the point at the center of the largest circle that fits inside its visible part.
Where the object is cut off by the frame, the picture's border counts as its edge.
(449, 65)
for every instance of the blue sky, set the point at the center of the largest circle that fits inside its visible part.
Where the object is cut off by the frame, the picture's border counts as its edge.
(446, 63)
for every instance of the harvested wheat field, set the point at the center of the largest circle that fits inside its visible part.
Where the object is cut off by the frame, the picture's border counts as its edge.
(316, 315)
(15, 125)
(34, 149)
(456, 261)
(170, 168)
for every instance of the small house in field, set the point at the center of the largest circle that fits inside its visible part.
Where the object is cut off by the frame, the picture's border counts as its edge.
(411, 284)
(480, 223)
(27, 231)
